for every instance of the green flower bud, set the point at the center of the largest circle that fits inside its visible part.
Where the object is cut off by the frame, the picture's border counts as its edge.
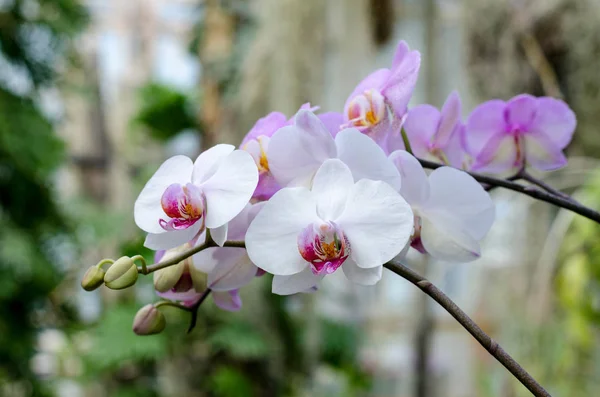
(149, 321)
(92, 279)
(165, 279)
(121, 274)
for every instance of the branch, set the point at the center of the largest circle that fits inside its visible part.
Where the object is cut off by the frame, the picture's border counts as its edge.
(541, 195)
(484, 339)
(186, 254)
(538, 182)
(194, 309)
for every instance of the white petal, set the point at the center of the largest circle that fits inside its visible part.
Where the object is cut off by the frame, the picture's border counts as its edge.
(377, 222)
(172, 239)
(228, 191)
(361, 276)
(415, 185)
(296, 152)
(219, 234)
(233, 269)
(148, 210)
(331, 185)
(299, 282)
(238, 226)
(203, 260)
(459, 200)
(365, 158)
(448, 243)
(229, 300)
(209, 161)
(272, 238)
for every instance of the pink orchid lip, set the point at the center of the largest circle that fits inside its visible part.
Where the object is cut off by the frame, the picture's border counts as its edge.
(367, 109)
(324, 246)
(183, 204)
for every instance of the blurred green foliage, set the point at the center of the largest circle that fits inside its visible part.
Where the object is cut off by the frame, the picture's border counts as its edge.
(34, 37)
(164, 111)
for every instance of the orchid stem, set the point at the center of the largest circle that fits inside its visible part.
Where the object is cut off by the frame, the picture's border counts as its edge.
(406, 141)
(143, 262)
(172, 304)
(186, 254)
(104, 262)
(542, 195)
(194, 309)
(484, 339)
(538, 182)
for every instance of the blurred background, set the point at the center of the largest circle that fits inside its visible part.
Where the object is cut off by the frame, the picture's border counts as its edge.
(95, 94)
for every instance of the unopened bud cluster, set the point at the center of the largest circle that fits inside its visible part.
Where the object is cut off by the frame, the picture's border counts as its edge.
(122, 273)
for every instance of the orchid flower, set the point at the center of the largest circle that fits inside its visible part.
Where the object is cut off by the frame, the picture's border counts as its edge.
(436, 135)
(182, 198)
(256, 142)
(378, 104)
(506, 136)
(301, 235)
(452, 211)
(229, 268)
(189, 284)
(296, 152)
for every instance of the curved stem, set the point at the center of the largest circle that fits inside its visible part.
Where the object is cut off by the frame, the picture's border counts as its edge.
(484, 339)
(172, 304)
(194, 309)
(186, 254)
(406, 141)
(541, 195)
(538, 182)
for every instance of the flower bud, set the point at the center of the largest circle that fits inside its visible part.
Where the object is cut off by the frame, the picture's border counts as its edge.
(167, 278)
(121, 274)
(148, 321)
(92, 279)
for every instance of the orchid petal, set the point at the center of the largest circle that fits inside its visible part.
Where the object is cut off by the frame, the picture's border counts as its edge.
(401, 83)
(521, 111)
(555, 120)
(375, 80)
(377, 222)
(229, 300)
(204, 260)
(421, 126)
(232, 269)
(458, 198)
(498, 155)
(332, 121)
(542, 154)
(265, 126)
(148, 209)
(228, 191)
(486, 121)
(365, 159)
(330, 187)
(219, 234)
(415, 185)
(447, 243)
(359, 275)
(171, 239)
(209, 161)
(450, 117)
(293, 284)
(272, 238)
(296, 152)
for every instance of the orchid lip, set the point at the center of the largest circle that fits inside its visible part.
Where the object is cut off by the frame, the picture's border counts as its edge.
(367, 109)
(324, 246)
(184, 205)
